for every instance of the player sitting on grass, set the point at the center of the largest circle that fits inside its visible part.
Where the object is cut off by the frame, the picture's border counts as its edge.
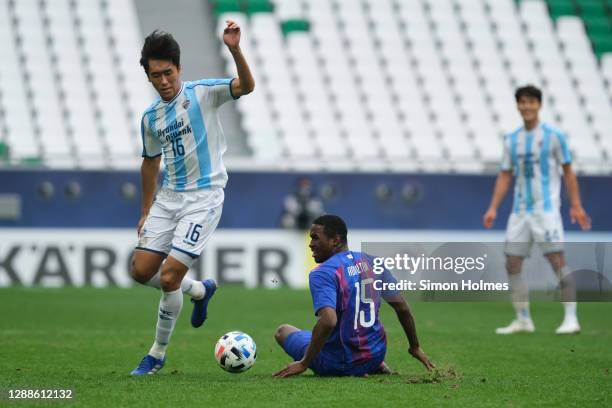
(348, 338)
(183, 124)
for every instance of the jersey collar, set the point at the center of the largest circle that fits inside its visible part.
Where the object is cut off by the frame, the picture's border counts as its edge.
(536, 127)
(175, 96)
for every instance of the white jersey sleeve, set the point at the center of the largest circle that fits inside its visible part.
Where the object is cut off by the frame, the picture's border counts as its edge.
(151, 146)
(217, 91)
(560, 149)
(506, 163)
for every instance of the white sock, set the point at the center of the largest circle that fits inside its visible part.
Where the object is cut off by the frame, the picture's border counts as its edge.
(189, 286)
(570, 310)
(568, 292)
(522, 310)
(193, 288)
(155, 281)
(169, 309)
(520, 296)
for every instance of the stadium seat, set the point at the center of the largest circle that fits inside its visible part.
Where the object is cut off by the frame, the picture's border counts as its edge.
(588, 8)
(606, 67)
(559, 8)
(288, 9)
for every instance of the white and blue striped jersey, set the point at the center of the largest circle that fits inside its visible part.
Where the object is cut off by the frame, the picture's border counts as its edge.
(188, 132)
(535, 158)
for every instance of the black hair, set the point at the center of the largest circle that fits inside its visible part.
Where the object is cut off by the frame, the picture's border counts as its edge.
(530, 91)
(332, 225)
(160, 45)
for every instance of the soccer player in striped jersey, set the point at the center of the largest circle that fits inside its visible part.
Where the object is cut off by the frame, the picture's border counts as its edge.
(536, 155)
(183, 126)
(348, 338)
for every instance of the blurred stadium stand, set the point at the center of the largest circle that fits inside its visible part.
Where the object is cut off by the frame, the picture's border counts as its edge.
(369, 85)
(421, 85)
(71, 92)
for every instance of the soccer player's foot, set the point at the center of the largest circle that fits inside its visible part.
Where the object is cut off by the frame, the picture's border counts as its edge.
(149, 365)
(517, 326)
(200, 306)
(383, 369)
(569, 326)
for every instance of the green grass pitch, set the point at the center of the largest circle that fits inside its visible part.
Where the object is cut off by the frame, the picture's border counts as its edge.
(89, 340)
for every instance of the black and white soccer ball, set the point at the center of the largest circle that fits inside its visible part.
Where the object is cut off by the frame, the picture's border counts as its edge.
(235, 352)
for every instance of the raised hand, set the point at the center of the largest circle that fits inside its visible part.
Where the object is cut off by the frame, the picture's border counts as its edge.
(231, 34)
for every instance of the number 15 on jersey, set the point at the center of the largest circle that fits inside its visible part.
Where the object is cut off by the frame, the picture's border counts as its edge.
(360, 298)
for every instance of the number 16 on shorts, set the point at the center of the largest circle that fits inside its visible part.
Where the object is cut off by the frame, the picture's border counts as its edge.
(193, 234)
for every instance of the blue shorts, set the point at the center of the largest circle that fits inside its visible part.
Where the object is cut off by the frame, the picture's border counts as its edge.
(324, 363)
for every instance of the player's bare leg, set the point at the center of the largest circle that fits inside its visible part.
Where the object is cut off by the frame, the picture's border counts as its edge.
(146, 270)
(145, 265)
(172, 275)
(567, 284)
(520, 298)
(282, 332)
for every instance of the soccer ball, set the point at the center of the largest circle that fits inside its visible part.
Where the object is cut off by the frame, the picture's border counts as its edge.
(235, 352)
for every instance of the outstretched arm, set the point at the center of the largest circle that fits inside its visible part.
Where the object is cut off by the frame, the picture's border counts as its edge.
(321, 331)
(245, 83)
(577, 213)
(407, 321)
(502, 184)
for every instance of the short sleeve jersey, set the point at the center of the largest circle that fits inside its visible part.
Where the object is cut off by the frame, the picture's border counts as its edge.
(345, 283)
(535, 158)
(188, 132)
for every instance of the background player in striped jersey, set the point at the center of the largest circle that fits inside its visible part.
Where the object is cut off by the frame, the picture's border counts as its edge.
(348, 338)
(184, 127)
(535, 154)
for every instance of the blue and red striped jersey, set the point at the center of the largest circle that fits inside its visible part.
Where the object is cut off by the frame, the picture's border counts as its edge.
(345, 283)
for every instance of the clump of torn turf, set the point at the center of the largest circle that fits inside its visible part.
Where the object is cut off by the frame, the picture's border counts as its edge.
(436, 376)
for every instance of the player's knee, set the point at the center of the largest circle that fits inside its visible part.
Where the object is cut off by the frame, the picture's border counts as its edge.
(171, 277)
(168, 281)
(556, 261)
(139, 273)
(280, 333)
(513, 265)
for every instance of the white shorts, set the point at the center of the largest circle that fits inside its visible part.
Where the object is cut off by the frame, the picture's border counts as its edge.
(525, 229)
(181, 223)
